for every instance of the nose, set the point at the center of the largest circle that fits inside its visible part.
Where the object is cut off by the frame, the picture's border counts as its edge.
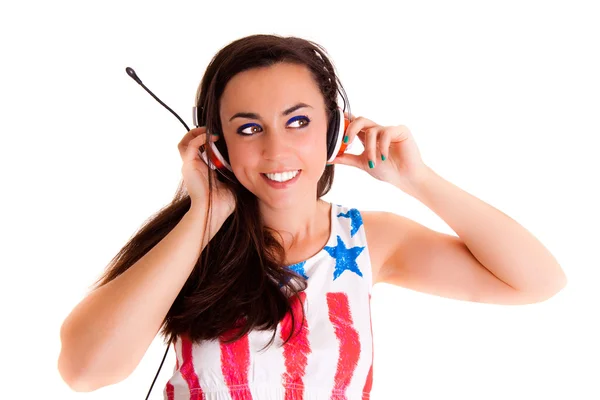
(276, 145)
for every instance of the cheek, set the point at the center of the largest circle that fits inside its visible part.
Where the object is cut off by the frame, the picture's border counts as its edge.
(235, 149)
(314, 147)
(239, 158)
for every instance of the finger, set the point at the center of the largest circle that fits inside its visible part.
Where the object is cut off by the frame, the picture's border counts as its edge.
(185, 141)
(371, 145)
(349, 159)
(384, 144)
(358, 124)
(361, 136)
(192, 149)
(198, 130)
(196, 143)
(192, 133)
(195, 146)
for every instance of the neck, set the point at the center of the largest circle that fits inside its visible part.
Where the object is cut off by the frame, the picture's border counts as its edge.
(297, 223)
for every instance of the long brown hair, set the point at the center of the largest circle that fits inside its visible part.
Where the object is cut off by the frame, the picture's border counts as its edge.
(238, 281)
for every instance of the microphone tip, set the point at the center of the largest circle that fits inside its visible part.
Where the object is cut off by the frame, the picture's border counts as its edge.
(132, 74)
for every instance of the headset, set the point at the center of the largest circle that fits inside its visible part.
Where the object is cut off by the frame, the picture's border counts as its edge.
(217, 158)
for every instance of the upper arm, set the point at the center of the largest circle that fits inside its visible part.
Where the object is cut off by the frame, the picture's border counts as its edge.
(408, 254)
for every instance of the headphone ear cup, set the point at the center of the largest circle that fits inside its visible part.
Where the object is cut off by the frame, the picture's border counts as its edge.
(332, 129)
(203, 156)
(343, 146)
(216, 159)
(335, 135)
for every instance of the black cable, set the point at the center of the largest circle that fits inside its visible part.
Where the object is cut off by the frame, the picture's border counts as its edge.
(161, 364)
(132, 74)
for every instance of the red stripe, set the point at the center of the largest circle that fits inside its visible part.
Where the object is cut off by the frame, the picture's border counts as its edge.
(235, 363)
(187, 369)
(170, 390)
(341, 319)
(369, 382)
(296, 350)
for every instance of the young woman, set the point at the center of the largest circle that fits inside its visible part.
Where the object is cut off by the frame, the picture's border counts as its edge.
(262, 287)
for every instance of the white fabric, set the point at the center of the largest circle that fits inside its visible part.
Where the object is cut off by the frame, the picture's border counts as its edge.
(334, 343)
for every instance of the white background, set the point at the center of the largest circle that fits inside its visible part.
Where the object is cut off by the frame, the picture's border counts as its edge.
(503, 99)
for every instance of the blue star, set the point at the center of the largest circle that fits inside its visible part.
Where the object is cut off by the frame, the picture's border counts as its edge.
(355, 219)
(299, 269)
(345, 259)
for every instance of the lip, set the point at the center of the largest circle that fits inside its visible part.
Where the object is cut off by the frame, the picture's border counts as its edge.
(281, 185)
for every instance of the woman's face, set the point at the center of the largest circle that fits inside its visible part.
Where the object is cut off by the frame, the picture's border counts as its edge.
(274, 120)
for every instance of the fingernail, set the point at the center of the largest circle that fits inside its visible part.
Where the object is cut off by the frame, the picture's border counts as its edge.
(215, 134)
(328, 165)
(345, 139)
(371, 164)
(382, 157)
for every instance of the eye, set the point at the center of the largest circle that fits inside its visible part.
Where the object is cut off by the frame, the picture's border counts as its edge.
(299, 118)
(246, 126)
(303, 121)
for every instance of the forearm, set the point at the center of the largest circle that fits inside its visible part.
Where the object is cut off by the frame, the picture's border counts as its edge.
(503, 246)
(107, 334)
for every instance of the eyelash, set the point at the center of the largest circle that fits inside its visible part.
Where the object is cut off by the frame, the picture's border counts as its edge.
(294, 119)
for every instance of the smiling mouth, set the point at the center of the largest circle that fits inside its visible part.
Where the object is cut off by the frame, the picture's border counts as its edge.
(282, 177)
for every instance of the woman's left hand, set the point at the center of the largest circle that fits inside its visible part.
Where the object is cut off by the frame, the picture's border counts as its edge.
(390, 155)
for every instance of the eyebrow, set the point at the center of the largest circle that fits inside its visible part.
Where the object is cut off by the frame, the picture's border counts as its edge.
(256, 116)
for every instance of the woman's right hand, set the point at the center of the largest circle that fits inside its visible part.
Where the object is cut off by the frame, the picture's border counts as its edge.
(195, 176)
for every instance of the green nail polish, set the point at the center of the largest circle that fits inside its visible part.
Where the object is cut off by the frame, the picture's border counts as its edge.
(382, 157)
(371, 164)
(345, 139)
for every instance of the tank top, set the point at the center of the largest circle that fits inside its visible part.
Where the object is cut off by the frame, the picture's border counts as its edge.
(331, 357)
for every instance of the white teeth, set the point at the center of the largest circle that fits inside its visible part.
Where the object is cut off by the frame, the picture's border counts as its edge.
(282, 177)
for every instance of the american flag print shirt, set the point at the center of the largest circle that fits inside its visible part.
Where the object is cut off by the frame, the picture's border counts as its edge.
(331, 357)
